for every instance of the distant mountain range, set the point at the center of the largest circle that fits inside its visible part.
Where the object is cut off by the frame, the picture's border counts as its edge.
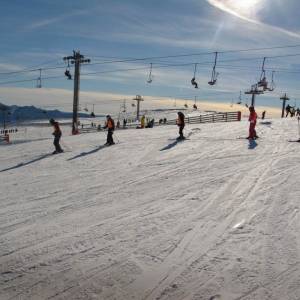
(16, 113)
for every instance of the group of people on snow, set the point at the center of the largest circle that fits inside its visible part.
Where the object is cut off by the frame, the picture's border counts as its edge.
(292, 111)
(180, 122)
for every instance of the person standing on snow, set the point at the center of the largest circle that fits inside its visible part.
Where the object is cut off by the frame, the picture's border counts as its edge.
(252, 120)
(143, 121)
(57, 135)
(110, 125)
(180, 123)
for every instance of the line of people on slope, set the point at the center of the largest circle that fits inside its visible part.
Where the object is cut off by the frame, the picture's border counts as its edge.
(110, 126)
(292, 111)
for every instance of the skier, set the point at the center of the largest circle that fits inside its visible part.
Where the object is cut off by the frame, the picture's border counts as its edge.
(57, 135)
(252, 120)
(110, 125)
(143, 121)
(180, 123)
(288, 110)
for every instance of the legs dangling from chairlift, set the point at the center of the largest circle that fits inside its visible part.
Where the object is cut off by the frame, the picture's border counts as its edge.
(193, 81)
(67, 72)
(214, 74)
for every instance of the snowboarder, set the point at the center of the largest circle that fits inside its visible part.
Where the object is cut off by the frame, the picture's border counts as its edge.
(252, 120)
(57, 135)
(180, 123)
(110, 125)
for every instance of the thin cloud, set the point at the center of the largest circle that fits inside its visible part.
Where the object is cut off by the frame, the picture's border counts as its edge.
(50, 21)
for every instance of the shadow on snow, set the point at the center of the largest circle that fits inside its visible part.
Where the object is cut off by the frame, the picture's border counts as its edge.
(82, 154)
(252, 144)
(23, 164)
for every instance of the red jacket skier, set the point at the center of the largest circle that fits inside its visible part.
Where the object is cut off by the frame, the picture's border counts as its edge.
(252, 120)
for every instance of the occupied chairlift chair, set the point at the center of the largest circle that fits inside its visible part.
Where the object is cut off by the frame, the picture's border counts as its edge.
(214, 74)
(195, 105)
(193, 81)
(93, 112)
(67, 72)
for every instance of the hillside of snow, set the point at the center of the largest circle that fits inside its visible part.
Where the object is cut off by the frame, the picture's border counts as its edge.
(214, 217)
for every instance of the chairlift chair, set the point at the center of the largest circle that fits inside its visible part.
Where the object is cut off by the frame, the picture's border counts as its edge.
(67, 72)
(263, 80)
(39, 80)
(193, 81)
(214, 74)
(240, 98)
(150, 77)
(272, 84)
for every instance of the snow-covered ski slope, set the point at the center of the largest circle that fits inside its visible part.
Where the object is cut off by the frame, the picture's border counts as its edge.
(212, 217)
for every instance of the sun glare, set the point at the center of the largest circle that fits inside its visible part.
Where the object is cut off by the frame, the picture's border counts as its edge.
(244, 6)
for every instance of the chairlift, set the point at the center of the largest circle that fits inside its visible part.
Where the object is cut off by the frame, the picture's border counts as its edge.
(195, 105)
(93, 112)
(150, 77)
(123, 107)
(67, 72)
(193, 81)
(240, 98)
(214, 74)
(133, 104)
(263, 80)
(86, 109)
(272, 84)
(39, 80)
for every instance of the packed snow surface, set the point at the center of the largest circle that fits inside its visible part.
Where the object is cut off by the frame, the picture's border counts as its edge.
(213, 217)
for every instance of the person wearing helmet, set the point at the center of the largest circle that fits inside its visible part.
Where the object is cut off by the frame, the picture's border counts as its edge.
(57, 135)
(180, 123)
(252, 120)
(110, 125)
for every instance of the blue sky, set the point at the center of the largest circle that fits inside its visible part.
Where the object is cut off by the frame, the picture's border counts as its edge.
(40, 32)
